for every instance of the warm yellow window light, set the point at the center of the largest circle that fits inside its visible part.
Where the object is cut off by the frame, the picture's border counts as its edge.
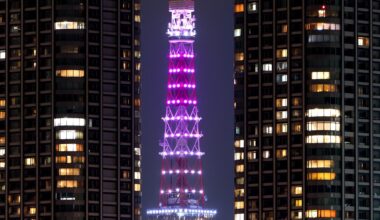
(67, 184)
(297, 190)
(320, 163)
(239, 205)
(69, 147)
(323, 126)
(137, 187)
(69, 171)
(281, 102)
(323, 88)
(2, 114)
(239, 8)
(282, 53)
(281, 153)
(320, 26)
(320, 213)
(321, 176)
(30, 161)
(69, 73)
(363, 41)
(320, 75)
(239, 168)
(2, 102)
(239, 56)
(323, 139)
(320, 112)
(298, 202)
(282, 128)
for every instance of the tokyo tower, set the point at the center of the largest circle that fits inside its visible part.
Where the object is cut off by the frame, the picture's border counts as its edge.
(182, 194)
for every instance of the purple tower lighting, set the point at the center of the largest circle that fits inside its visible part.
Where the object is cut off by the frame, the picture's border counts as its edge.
(182, 194)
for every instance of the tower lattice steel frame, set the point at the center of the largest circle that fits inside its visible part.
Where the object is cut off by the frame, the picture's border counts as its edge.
(182, 193)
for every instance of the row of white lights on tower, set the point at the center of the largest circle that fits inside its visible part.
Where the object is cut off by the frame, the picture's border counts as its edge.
(196, 118)
(197, 135)
(178, 190)
(171, 153)
(181, 55)
(164, 172)
(177, 70)
(178, 85)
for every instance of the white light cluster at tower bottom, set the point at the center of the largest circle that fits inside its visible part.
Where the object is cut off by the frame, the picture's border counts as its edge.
(208, 213)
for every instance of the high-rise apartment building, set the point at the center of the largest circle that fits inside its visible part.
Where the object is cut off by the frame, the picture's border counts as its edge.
(69, 109)
(307, 109)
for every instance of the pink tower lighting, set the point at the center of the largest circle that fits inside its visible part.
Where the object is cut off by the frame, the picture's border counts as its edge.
(182, 194)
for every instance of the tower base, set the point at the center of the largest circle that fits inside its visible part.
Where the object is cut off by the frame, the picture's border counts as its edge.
(181, 214)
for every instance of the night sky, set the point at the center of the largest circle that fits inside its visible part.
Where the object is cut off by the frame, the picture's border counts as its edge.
(214, 69)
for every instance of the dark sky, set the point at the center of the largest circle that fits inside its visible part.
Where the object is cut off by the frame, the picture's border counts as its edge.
(214, 69)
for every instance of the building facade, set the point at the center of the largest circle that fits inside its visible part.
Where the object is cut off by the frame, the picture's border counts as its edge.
(307, 109)
(69, 109)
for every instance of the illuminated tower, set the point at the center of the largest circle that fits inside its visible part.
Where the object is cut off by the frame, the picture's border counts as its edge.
(182, 194)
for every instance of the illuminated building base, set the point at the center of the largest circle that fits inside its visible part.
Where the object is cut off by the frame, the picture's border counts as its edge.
(181, 214)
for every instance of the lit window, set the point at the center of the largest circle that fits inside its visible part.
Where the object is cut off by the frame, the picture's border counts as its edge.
(2, 163)
(69, 159)
(281, 115)
(266, 154)
(323, 126)
(252, 6)
(281, 78)
(137, 18)
(239, 168)
(320, 164)
(282, 128)
(239, 56)
(237, 32)
(69, 134)
(239, 143)
(69, 122)
(2, 151)
(267, 129)
(282, 66)
(320, 214)
(2, 54)
(69, 73)
(32, 211)
(297, 202)
(137, 175)
(69, 171)
(323, 139)
(320, 75)
(2, 114)
(69, 25)
(296, 127)
(296, 215)
(322, 13)
(297, 190)
(283, 28)
(69, 147)
(252, 155)
(2, 102)
(323, 88)
(282, 53)
(137, 187)
(239, 156)
(296, 101)
(239, 8)
(30, 161)
(363, 41)
(267, 67)
(321, 176)
(239, 192)
(281, 153)
(327, 112)
(239, 216)
(239, 205)
(320, 26)
(67, 184)
(281, 103)
(2, 139)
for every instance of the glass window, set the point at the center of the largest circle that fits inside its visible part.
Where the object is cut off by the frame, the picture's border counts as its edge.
(282, 128)
(239, 168)
(67, 184)
(321, 176)
(323, 126)
(239, 143)
(30, 161)
(69, 171)
(239, 216)
(296, 190)
(327, 112)
(281, 153)
(267, 67)
(281, 78)
(282, 53)
(320, 163)
(69, 134)
(320, 214)
(323, 88)
(323, 139)
(266, 154)
(363, 41)
(237, 32)
(239, 56)
(2, 54)
(239, 205)
(252, 6)
(281, 115)
(69, 147)
(62, 25)
(320, 26)
(282, 102)
(239, 8)
(137, 187)
(320, 75)
(69, 122)
(267, 129)
(69, 73)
